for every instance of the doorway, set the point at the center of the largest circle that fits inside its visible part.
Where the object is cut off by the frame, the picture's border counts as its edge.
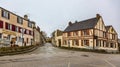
(59, 42)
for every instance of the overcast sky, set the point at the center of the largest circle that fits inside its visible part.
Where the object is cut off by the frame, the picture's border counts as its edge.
(55, 14)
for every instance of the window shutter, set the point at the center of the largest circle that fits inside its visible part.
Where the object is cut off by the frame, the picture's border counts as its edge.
(13, 27)
(25, 31)
(29, 32)
(6, 25)
(19, 29)
(1, 24)
(2, 13)
(81, 42)
(8, 15)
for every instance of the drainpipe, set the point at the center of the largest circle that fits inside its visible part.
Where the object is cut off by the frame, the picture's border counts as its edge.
(93, 38)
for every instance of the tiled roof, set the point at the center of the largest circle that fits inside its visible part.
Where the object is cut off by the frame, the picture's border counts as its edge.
(86, 24)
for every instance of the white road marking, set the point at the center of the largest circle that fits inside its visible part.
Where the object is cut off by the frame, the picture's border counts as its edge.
(110, 63)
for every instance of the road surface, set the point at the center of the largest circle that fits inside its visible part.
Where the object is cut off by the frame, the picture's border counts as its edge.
(49, 56)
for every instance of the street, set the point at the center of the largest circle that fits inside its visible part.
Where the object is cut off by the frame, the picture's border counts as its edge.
(49, 56)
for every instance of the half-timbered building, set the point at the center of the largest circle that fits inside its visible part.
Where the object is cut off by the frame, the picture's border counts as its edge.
(90, 34)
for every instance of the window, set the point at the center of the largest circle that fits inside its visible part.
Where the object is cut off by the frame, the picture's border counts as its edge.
(107, 45)
(113, 36)
(115, 46)
(1, 24)
(81, 42)
(27, 40)
(85, 32)
(13, 27)
(104, 43)
(69, 33)
(104, 34)
(86, 42)
(76, 42)
(75, 33)
(5, 14)
(9, 37)
(65, 42)
(100, 43)
(20, 30)
(0, 35)
(8, 26)
(111, 45)
(27, 31)
(29, 24)
(31, 33)
(20, 39)
(16, 29)
(97, 43)
(19, 20)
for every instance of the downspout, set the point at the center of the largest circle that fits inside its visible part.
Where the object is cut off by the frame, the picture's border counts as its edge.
(93, 39)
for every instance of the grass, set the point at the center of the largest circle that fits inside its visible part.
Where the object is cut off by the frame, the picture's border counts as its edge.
(89, 50)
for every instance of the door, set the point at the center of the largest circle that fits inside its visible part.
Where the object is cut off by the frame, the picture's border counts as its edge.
(59, 42)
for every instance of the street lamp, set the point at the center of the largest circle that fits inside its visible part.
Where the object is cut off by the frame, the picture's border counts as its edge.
(22, 33)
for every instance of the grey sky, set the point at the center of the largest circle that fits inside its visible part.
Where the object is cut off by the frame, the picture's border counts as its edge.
(55, 14)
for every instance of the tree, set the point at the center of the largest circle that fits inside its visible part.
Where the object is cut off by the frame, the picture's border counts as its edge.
(44, 34)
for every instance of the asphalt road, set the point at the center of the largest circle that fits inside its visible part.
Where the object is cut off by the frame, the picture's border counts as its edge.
(49, 56)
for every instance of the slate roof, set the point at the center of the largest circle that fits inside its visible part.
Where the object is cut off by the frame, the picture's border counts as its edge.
(86, 24)
(107, 27)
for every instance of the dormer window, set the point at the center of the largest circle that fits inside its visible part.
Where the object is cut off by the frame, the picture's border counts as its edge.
(19, 20)
(5, 14)
(29, 24)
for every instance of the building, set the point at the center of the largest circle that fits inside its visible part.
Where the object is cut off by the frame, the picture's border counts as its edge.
(119, 44)
(90, 34)
(14, 29)
(57, 38)
(38, 37)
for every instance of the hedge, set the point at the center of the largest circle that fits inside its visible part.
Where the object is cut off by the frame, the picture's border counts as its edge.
(85, 50)
(16, 50)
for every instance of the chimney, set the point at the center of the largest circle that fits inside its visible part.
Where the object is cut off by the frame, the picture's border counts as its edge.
(26, 17)
(70, 23)
(38, 28)
(98, 16)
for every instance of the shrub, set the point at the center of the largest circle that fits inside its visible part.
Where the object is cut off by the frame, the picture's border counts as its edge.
(83, 49)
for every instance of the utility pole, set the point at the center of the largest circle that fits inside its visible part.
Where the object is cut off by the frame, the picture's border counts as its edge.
(22, 33)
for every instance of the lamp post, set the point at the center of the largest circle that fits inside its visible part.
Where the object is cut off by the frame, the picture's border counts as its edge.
(22, 33)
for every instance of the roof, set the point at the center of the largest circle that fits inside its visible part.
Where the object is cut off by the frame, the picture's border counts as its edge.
(14, 14)
(118, 40)
(86, 24)
(107, 27)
